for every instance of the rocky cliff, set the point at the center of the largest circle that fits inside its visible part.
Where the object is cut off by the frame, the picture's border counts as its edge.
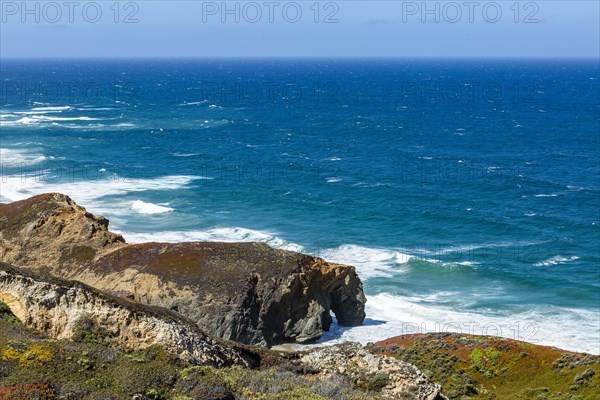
(59, 308)
(71, 310)
(248, 292)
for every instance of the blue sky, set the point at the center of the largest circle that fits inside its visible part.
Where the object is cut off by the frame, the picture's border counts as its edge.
(349, 28)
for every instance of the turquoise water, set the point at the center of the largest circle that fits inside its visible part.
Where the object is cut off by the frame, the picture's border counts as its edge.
(465, 192)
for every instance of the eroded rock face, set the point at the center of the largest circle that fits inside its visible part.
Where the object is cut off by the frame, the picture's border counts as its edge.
(399, 379)
(248, 292)
(55, 306)
(51, 233)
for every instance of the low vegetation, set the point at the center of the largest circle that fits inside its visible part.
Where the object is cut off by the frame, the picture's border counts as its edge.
(35, 367)
(485, 367)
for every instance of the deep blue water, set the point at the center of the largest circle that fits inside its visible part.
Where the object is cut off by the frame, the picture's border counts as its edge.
(466, 192)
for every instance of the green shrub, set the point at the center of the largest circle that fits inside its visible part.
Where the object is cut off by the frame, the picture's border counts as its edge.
(486, 360)
(6, 314)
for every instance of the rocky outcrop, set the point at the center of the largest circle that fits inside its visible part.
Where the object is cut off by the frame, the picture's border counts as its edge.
(51, 233)
(395, 378)
(247, 292)
(56, 307)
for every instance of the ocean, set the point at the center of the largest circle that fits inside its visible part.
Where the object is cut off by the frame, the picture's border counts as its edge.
(465, 192)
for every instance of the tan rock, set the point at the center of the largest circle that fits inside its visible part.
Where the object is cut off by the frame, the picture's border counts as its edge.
(399, 379)
(56, 306)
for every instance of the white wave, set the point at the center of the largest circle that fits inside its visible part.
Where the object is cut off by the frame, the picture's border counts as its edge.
(89, 192)
(545, 195)
(389, 315)
(148, 208)
(73, 126)
(60, 108)
(369, 262)
(94, 108)
(577, 188)
(556, 260)
(24, 120)
(433, 249)
(45, 118)
(37, 119)
(95, 127)
(194, 103)
(465, 263)
(15, 157)
(236, 234)
(184, 154)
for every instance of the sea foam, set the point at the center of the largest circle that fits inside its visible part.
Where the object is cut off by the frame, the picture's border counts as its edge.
(391, 315)
(143, 207)
(235, 234)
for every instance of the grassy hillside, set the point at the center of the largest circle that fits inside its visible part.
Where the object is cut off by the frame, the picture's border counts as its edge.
(485, 367)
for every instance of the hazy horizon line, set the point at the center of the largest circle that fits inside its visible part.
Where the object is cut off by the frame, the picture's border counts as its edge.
(333, 58)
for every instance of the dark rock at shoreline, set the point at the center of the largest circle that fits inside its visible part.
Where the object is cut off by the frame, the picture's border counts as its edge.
(247, 292)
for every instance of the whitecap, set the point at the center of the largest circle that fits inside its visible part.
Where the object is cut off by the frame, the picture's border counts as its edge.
(18, 157)
(369, 262)
(94, 108)
(576, 188)
(89, 192)
(194, 103)
(84, 118)
(57, 108)
(556, 260)
(184, 154)
(149, 208)
(223, 234)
